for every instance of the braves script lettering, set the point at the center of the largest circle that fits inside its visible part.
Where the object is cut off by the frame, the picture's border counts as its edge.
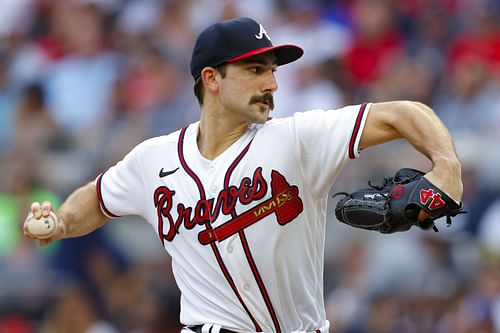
(205, 211)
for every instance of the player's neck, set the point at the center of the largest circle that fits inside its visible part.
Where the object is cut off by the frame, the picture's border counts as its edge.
(216, 134)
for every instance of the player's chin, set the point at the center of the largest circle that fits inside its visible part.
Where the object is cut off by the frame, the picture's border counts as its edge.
(261, 118)
(262, 113)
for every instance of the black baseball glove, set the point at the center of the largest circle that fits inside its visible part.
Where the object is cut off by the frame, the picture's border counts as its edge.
(394, 205)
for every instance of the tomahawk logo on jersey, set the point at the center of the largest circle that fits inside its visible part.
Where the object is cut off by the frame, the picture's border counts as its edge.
(237, 227)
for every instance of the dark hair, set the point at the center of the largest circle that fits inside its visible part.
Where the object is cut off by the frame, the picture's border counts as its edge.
(198, 85)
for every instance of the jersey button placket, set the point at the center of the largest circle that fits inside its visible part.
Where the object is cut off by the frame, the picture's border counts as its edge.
(212, 181)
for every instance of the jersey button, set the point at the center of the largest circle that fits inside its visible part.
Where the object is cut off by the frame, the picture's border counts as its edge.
(246, 286)
(230, 249)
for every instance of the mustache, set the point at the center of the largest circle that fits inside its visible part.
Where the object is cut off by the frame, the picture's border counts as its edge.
(267, 98)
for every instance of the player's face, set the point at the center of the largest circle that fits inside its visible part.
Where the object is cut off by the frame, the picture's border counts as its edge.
(248, 87)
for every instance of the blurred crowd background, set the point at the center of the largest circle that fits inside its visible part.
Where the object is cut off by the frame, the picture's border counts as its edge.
(83, 81)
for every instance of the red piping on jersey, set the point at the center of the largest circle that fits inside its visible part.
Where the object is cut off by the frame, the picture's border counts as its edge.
(246, 248)
(234, 164)
(260, 283)
(99, 197)
(180, 151)
(355, 131)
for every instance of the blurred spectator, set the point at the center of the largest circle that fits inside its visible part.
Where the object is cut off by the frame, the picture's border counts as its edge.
(381, 315)
(473, 309)
(14, 16)
(393, 83)
(471, 102)
(489, 229)
(304, 85)
(92, 263)
(376, 41)
(34, 129)
(151, 97)
(79, 86)
(432, 27)
(7, 101)
(346, 302)
(174, 28)
(72, 312)
(14, 323)
(139, 18)
(23, 262)
(479, 39)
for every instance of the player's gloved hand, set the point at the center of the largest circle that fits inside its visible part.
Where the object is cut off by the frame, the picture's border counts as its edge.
(44, 210)
(398, 203)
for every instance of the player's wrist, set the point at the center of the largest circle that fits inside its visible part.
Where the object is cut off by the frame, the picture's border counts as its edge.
(447, 167)
(447, 175)
(63, 225)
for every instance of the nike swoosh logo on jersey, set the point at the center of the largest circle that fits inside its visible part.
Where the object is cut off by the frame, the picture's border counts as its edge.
(167, 173)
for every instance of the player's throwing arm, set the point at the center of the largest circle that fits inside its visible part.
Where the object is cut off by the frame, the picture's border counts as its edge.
(79, 215)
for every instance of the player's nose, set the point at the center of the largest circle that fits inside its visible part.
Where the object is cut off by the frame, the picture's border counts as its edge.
(271, 85)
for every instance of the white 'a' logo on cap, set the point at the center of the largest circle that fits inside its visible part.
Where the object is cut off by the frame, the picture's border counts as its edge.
(262, 33)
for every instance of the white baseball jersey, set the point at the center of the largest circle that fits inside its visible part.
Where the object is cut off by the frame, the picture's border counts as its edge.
(246, 230)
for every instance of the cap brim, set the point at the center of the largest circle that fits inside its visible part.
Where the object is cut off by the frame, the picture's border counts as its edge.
(285, 53)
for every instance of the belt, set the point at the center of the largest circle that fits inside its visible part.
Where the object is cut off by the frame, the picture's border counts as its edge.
(198, 329)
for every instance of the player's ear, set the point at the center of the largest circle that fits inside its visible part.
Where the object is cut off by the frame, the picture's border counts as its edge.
(209, 78)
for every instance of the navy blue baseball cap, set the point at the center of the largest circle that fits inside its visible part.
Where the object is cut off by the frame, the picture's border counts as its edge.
(234, 40)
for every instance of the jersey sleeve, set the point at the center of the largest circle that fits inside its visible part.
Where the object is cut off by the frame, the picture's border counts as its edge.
(121, 189)
(326, 140)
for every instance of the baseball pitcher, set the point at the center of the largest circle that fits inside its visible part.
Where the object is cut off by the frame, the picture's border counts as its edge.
(238, 199)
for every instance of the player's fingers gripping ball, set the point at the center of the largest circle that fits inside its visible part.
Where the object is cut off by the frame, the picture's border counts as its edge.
(43, 227)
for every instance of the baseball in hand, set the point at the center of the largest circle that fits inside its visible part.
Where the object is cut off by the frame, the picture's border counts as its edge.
(43, 227)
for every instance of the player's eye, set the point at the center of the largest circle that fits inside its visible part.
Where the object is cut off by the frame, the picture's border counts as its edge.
(255, 69)
(261, 69)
